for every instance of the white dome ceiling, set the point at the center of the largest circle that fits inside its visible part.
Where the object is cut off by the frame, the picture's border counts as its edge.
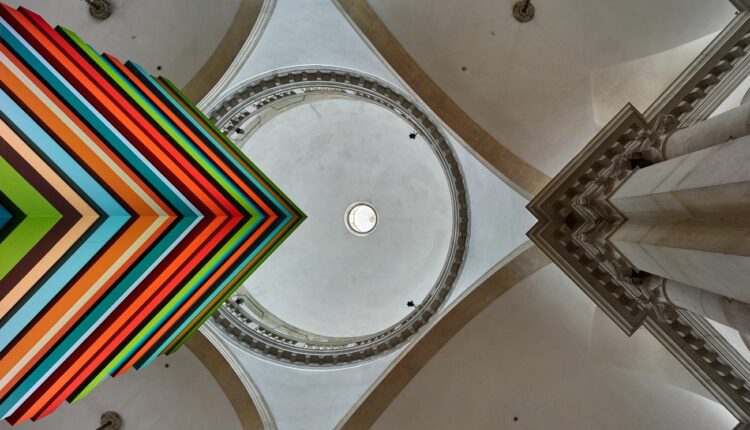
(327, 155)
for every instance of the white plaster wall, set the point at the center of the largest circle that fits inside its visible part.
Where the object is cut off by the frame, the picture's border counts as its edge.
(640, 81)
(542, 354)
(640, 355)
(498, 222)
(178, 35)
(183, 396)
(314, 33)
(528, 85)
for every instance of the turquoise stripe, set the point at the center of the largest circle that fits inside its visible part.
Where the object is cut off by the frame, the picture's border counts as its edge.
(196, 284)
(215, 292)
(187, 118)
(45, 144)
(97, 316)
(26, 53)
(222, 180)
(92, 117)
(5, 216)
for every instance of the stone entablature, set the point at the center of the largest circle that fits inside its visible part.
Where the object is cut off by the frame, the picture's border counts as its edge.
(576, 217)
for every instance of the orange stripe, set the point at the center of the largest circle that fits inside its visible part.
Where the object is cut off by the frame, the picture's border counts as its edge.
(121, 120)
(32, 335)
(88, 215)
(198, 294)
(112, 329)
(89, 70)
(222, 295)
(209, 151)
(111, 155)
(65, 134)
(57, 312)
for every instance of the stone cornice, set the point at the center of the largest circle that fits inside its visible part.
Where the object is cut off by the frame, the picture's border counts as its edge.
(575, 221)
(741, 5)
(577, 242)
(710, 78)
(576, 218)
(287, 86)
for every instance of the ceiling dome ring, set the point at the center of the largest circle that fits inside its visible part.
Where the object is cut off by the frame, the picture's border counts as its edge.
(234, 115)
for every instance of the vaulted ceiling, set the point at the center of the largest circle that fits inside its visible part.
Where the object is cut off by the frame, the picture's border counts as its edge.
(541, 353)
(529, 85)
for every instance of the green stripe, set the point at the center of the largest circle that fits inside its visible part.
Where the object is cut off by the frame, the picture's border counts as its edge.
(229, 145)
(165, 126)
(39, 217)
(167, 310)
(215, 307)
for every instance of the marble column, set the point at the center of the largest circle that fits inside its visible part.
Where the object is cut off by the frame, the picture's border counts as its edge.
(732, 124)
(711, 255)
(688, 219)
(713, 183)
(727, 311)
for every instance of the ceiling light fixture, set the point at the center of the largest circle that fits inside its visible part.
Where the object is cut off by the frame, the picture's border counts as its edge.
(100, 9)
(523, 11)
(361, 219)
(110, 421)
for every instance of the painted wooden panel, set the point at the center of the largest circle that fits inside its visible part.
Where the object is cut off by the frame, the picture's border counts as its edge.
(126, 217)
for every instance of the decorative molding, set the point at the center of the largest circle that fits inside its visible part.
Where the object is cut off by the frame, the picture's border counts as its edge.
(280, 89)
(570, 238)
(576, 218)
(652, 295)
(703, 354)
(710, 78)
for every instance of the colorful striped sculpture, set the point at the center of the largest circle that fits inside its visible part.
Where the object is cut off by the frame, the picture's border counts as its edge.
(126, 217)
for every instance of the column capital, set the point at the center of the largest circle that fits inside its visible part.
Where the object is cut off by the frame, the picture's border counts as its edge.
(653, 295)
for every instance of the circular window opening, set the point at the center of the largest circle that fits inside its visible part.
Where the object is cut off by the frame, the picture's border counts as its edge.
(361, 219)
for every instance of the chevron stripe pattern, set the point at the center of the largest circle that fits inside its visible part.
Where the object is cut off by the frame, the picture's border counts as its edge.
(126, 217)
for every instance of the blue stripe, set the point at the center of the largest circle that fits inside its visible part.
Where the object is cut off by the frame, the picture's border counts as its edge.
(92, 116)
(45, 144)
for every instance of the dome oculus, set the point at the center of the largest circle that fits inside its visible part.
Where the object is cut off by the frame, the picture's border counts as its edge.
(361, 219)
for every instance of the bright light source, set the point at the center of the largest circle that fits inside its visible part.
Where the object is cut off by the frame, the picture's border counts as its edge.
(361, 219)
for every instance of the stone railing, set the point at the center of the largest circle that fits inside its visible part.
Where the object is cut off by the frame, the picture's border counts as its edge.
(576, 218)
(238, 114)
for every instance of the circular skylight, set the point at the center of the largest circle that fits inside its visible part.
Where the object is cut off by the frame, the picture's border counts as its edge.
(361, 219)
